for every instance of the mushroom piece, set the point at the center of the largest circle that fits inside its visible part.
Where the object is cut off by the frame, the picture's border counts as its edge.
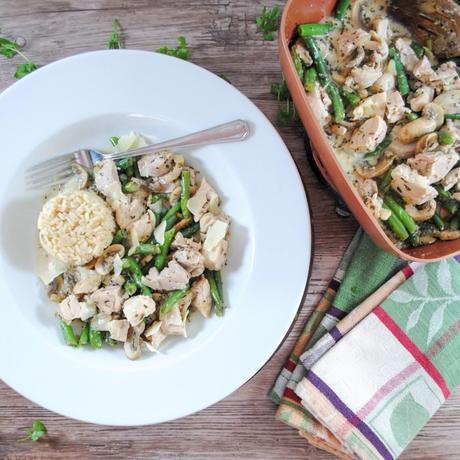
(375, 171)
(422, 97)
(431, 119)
(136, 308)
(453, 178)
(447, 235)
(104, 263)
(370, 107)
(422, 213)
(132, 346)
(79, 180)
(426, 143)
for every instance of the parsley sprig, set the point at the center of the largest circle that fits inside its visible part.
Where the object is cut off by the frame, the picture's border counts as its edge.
(180, 52)
(10, 49)
(115, 41)
(37, 431)
(287, 113)
(268, 22)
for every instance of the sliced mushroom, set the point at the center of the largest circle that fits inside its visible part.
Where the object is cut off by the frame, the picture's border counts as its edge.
(79, 180)
(431, 119)
(422, 97)
(375, 171)
(422, 213)
(104, 263)
(426, 143)
(448, 235)
(453, 178)
(132, 346)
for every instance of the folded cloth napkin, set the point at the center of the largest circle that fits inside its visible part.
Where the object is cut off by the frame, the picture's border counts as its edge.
(355, 374)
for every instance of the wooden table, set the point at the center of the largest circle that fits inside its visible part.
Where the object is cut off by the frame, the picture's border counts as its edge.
(223, 38)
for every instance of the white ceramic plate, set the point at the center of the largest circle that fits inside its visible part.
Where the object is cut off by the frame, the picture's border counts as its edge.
(81, 101)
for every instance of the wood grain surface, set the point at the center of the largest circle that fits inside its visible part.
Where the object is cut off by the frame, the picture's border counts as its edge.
(223, 38)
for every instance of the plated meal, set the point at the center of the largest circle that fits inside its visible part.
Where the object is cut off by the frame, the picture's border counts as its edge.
(391, 111)
(130, 248)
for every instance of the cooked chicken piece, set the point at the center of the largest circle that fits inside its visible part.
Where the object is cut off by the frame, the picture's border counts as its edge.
(370, 134)
(106, 179)
(141, 230)
(88, 281)
(180, 242)
(154, 335)
(215, 245)
(385, 83)
(204, 199)
(88, 310)
(371, 107)
(350, 40)
(422, 97)
(101, 322)
(172, 323)
(395, 107)
(136, 308)
(453, 178)
(447, 77)
(366, 188)
(129, 209)
(413, 187)
(380, 25)
(109, 259)
(172, 277)
(191, 259)
(369, 192)
(423, 71)
(319, 105)
(434, 165)
(302, 52)
(118, 329)
(184, 304)
(366, 75)
(449, 101)
(175, 172)
(407, 54)
(201, 299)
(107, 299)
(70, 308)
(377, 44)
(157, 164)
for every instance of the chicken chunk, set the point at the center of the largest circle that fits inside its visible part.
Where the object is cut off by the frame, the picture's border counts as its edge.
(172, 277)
(412, 186)
(106, 179)
(70, 308)
(395, 107)
(136, 308)
(319, 105)
(108, 299)
(154, 335)
(434, 165)
(407, 54)
(142, 229)
(204, 199)
(128, 210)
(370, 134)
(350, 40)
(303, 53)
(191, 259)
(201, 296)
(215, 245)
(422, 97)
(371, 107)
(453, 178)
(366, 75)
(101, 322)
(157, 164)
(88, 281)
(173, 323)
(118, 329)
(180, 242)
(423, 71)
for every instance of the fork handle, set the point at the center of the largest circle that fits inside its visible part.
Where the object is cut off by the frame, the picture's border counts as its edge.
(236, 130)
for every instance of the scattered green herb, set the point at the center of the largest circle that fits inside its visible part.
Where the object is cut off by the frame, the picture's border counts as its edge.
(115, 41)
(37, 431)
(268, 22)
(10, 49)
(180, 52)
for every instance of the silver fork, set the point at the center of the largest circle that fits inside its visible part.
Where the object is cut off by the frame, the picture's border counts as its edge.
(57, 170)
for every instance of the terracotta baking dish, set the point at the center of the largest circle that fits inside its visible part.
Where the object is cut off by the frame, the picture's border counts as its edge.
(305, 11)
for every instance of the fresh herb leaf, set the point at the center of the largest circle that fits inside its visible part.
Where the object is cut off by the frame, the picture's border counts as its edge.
(281, 91)
(180, 52)
(8, 48)
(24, 69)
(268, 22)
(287, 113)
(37, 431)
(115, 41)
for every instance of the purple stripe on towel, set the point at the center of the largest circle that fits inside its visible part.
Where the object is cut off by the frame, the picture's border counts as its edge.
(349, 414)
(336, 312)
(335, 334)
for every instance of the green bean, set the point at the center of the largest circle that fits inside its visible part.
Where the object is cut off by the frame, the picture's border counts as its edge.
(218, 277)
(126, 163)
(382, 146)
(145, 249)
(185, 193)
(69, 335)
(386, 181)
(183, 223)
(326, 80)
(452, 116)
(411, 116)
(84, 335)
(448, 202)
(114, 140)
(119, 236)
(396, 226)
(341, 8)
(401, 77)
(131, 265)
(308, 30)
(419, 50)
(130, 287)
(298, 64)
(401, 214)
(438, 221)
(190, 230)
(454, 223)
(216, 297)
(445, 138)
(311, 77)
(130, 187)
(171, 221)
(95, 338)
(172, 211)
(172, 299)
(160, 260)
(350, 96)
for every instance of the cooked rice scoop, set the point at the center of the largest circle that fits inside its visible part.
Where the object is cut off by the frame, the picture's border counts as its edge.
(76, 227)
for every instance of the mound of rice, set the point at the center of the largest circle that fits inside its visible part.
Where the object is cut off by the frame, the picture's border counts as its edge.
(76, 227)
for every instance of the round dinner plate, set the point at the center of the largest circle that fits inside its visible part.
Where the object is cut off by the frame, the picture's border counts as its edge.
(80, 102)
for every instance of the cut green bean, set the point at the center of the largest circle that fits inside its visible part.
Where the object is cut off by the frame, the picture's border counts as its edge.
(298, 64)
(382, 146)
(130, 287)
(325, 79)
(190, 230)
(452, 116)
(350, 96)
(130, 187)
(171, 221)
(218, 278)
(447, 200)
(309, 30)
(126, 163)
(131, 265)
(175, 208)
(95, 338)
(401, 77)
(311, 77)
(341, 8)
(145, 249)
(185, 193)
(396, 226)
(160, 260)
(69, 334)
(385, 182)
(445, 138)
(419, 50)
(172, 299)
(119, 236)
(84, 335)
(438, 221)
(114, 140)
(401, 214)
(216, 297)
(411, 116)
